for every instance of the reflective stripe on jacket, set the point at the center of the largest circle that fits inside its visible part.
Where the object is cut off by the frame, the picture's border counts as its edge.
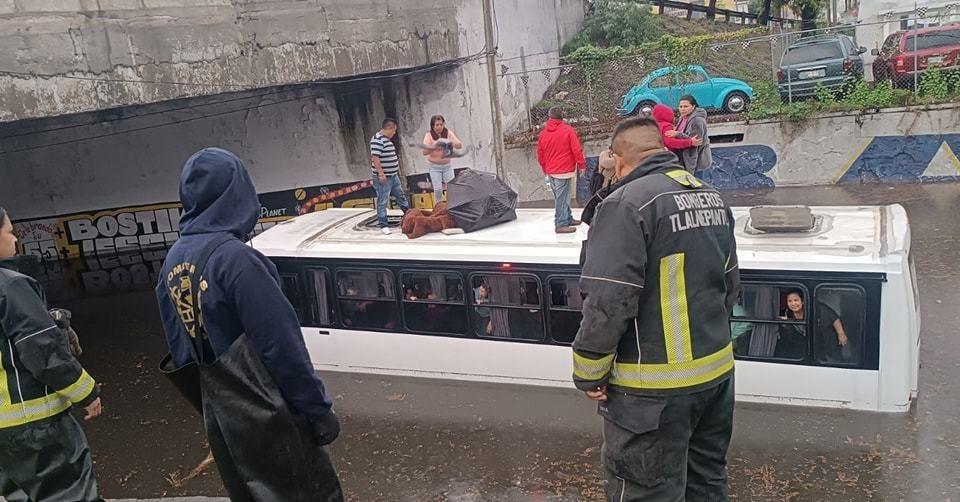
(39, 378)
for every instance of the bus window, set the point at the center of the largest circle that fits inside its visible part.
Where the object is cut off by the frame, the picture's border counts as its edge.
(769, 323)
(368, 300)
(433, 302)
(507, 306)
(840, 312)
(565, 306)
(291, 289)
(321, 306)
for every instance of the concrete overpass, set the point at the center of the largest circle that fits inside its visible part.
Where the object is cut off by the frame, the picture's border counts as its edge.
(69, 56)
(101, 101)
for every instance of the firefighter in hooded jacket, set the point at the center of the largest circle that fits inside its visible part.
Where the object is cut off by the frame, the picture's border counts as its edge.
(44, 454)
(659, 279)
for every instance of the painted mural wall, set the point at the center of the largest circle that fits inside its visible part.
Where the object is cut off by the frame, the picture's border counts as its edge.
(123, 249)
(894, 146)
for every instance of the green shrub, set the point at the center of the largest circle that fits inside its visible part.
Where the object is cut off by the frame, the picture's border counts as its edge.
(624, 23)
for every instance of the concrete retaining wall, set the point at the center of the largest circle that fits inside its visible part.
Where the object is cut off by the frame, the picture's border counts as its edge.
(893, 146)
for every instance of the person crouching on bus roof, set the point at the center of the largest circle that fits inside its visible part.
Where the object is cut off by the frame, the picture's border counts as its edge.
(659, 280)
(44, 455)
(266, 413)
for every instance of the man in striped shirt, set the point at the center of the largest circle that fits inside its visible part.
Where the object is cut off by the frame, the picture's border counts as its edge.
(386, 172)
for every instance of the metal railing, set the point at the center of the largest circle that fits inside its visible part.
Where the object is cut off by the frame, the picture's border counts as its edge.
(688, 10)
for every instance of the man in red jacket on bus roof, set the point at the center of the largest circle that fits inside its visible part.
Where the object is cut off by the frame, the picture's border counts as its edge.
(560, 155)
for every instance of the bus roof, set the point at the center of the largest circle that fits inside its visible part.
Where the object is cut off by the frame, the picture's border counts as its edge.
(847, 239)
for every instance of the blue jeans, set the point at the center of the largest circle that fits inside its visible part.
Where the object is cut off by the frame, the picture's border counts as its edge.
(440, 175)
(561, 200)
(384, 190)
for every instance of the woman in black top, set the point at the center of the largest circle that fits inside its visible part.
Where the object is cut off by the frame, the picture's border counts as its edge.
(832, 337)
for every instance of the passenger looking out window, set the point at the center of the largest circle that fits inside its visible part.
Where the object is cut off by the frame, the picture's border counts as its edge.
(793, 337)
(831, 337)
(484, 323)
(507, 306)
(760, 327)
(771, 322)
(368, 300)
(433, 303)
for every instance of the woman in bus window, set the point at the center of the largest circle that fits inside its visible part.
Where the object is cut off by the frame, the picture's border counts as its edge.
(831, 336)
(792, 342)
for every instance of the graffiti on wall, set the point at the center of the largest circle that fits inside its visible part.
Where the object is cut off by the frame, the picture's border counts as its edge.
(733, 167)
(905, 159)
(931, 158)
(123, 249)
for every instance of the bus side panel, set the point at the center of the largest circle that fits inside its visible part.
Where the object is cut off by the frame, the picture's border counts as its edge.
(807, 385)
(898, 342)
(440, 357)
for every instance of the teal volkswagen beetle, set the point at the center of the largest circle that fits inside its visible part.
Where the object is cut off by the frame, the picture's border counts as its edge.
(667, 85)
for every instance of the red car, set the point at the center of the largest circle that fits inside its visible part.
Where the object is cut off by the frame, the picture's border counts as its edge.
(905, 54)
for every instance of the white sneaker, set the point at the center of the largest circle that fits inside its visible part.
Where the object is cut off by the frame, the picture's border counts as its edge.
(386, 230)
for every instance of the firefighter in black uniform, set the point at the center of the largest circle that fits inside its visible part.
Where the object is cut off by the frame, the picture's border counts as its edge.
(659, 280)
(44, 456)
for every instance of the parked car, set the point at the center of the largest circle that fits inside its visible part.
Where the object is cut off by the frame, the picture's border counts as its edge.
(667, 85)
(906, 54)
(829, 61)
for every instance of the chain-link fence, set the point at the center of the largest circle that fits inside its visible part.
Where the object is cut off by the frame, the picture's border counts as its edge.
(626, 86)
(893, 61)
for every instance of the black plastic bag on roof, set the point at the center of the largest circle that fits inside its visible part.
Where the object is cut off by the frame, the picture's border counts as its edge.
(478, 200)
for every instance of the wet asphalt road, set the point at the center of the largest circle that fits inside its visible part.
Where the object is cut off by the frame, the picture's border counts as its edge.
(420, 440)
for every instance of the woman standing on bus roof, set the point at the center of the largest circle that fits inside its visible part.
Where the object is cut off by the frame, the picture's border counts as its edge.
(438, 159)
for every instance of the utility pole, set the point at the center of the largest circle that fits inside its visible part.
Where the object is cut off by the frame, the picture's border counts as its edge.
(491, 45)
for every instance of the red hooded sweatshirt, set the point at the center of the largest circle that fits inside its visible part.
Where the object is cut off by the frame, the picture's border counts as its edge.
(663, 114)
(559, 150)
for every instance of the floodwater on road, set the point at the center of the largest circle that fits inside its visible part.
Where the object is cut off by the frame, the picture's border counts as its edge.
(410, 439)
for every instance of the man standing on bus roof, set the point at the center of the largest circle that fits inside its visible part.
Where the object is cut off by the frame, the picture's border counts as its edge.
(561, 156)
(385, 164)
(659, 279)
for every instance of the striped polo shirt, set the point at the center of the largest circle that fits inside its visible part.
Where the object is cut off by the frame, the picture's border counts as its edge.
(381, 146)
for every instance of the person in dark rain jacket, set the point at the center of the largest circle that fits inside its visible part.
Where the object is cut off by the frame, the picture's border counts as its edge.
(44, 455)
(271, 456)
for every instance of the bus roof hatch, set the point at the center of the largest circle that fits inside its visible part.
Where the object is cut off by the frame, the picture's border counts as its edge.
(782, 219)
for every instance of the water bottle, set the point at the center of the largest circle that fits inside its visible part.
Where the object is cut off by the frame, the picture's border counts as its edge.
(547, 184)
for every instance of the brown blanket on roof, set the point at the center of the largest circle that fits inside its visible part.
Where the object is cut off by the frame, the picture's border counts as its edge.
(417, 223)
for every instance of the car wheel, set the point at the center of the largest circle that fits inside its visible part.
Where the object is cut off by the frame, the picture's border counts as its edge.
(645, 108)
(735, 102)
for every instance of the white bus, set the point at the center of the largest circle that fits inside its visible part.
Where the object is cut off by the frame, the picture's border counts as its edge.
(502, 304)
